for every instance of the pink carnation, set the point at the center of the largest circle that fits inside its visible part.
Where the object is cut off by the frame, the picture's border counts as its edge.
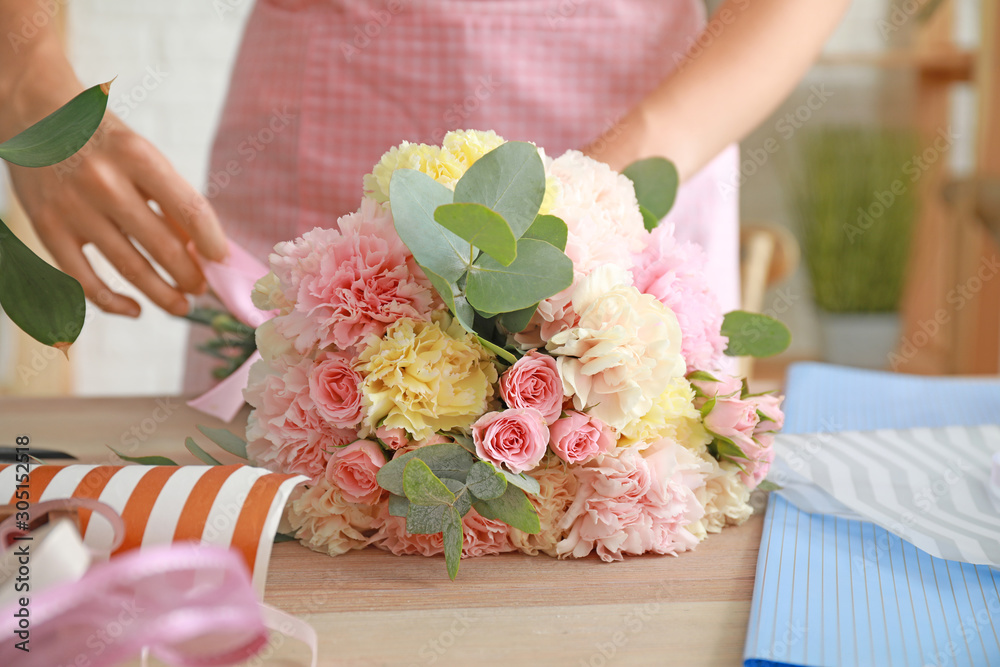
(349, 283)
(578, 437)
(534, 382)
(482, 537)
(674, 273)
(333, 386)
(353, 468)
(515, 438)
(632, 505)
(285, 431)
(552, 316)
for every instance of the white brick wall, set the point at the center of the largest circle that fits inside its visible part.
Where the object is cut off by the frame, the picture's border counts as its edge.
(172, 60)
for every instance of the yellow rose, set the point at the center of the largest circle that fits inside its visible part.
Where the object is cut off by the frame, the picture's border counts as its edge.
(425, 377)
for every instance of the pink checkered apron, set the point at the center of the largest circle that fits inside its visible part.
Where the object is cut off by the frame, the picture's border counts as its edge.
(322, 88)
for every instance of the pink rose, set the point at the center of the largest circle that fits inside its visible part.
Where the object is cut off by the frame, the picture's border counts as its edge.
(578, 437)
(734, 419)
(723, 386)
(515, 438)
(760, 464)
(769, 406)
(333, 387)
(394, 438)
(353, 468)
(534, 382)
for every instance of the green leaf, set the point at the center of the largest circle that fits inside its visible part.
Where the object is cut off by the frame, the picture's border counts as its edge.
(524, 482)
(539, 271)
(513, 508)
(497, 350)
(398, 505)
(550, 229)
(516, 321)
(414, 196)
(754, 334)
(708, 406)
(422, 487)
(200, 453)
(445, 460)
(510, 179)
(649, 221)
(425, 519)
(453, 539)
(61, 133)
(656, 181)
(144, 460)
(485, 482)
(226, 440)
(727, 448)
(768, 485)
(459, 306)
(482, 227)
(44, 302)
(282, 537)
(701, 376)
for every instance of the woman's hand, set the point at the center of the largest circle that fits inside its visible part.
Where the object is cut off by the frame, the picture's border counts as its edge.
(101, 196)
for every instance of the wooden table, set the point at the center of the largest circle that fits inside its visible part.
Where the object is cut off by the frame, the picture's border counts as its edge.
(372, 608)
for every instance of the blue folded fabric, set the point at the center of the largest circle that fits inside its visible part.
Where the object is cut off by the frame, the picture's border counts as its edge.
(831, 591)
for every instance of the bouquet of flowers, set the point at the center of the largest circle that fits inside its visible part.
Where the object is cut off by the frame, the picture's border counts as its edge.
(500, 351)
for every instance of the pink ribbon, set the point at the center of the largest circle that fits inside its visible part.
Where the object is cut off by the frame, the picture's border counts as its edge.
(232, 281)
(192, 605)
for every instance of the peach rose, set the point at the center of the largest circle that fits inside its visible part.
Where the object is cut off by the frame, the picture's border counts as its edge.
(333, 387)
(578, 437)
(353, 468)
(533, 382)
(515, 438)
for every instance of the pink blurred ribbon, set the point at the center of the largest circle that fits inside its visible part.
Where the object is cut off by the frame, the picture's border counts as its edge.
(189, 604)
(232, 281)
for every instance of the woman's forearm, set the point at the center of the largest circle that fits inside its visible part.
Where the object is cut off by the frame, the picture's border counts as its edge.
(750, 56)
(35, 74)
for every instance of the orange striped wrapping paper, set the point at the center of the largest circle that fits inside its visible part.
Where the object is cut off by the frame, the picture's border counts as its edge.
(234, 506)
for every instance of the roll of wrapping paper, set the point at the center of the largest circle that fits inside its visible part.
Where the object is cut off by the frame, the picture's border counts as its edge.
(230, 506)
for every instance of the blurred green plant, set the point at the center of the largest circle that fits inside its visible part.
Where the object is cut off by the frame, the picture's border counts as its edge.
(42, 301)
(854, 192)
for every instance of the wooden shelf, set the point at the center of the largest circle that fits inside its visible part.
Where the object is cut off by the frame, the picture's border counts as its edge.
(946, 62)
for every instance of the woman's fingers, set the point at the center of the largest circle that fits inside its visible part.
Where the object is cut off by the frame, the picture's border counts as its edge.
(68, 254)
(159, 238)
(156, 178)
(135, 268)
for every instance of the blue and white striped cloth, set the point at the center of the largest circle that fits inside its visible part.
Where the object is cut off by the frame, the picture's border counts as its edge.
(832, 591)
